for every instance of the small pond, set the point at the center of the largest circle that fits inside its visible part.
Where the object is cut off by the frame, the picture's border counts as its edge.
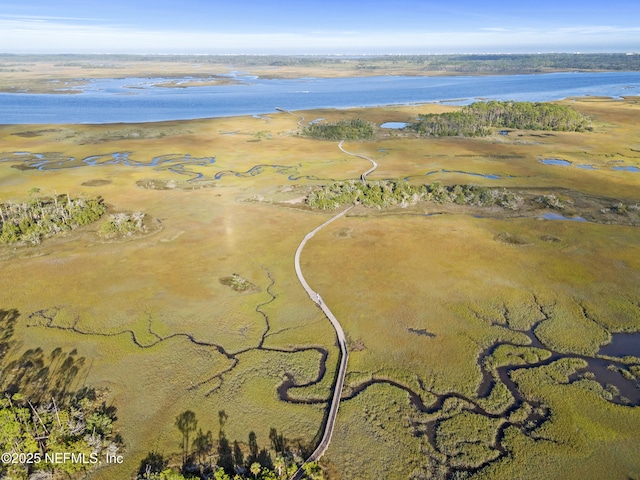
(566, 163)
(394, 125)
(626, 168)
(557, 216)
(555, 161)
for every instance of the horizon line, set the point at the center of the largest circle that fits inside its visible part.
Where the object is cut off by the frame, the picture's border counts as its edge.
(594, 52)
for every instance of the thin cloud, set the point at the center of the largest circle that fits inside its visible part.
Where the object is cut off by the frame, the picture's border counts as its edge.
(600, 30)
(60, 35)
(47, 18)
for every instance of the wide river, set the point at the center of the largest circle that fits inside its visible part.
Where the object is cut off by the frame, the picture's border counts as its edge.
(144, 100)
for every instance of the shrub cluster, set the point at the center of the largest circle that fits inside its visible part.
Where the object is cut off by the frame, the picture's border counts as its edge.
(550, 201)
(238, 283)
(125, 224)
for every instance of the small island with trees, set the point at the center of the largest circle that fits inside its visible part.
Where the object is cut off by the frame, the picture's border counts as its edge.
(41, 217)
(390, 193)
(356, 129)
(481, 118)
(28, 223)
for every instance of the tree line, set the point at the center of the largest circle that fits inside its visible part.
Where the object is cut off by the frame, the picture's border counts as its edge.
(391, 193)
(465, 63)
(481, 118)
(527, 63)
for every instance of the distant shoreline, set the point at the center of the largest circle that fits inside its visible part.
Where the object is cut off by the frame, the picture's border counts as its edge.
(35, 73)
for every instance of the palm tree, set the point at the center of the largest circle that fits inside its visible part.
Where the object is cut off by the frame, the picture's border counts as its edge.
(255, 469)
(279, 464)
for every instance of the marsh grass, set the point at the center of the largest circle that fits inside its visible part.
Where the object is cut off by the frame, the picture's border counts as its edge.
(375, 424)
(467, 439)
(446, 275)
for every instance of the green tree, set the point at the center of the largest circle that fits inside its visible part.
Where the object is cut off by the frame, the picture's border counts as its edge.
(312, 470)
(280, 465)
(255, 469)
(220, 474)
(169, 474)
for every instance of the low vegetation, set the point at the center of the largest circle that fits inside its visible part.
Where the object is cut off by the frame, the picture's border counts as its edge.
(37, 218)
(468, 439)
(123, 224)
(356, 129)
(550, 201)
(481, 118)
(390, 193)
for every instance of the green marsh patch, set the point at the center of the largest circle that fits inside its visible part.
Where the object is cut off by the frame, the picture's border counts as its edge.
(239, 284)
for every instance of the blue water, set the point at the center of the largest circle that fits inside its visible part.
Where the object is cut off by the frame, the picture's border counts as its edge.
(555, 161)
(622, 344)
(566, 163)
(139, 100)
(627, 168)
(490, 176)
(394, 125)
(557, 216)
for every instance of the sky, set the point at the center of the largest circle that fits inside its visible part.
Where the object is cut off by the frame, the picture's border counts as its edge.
(318, 26)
